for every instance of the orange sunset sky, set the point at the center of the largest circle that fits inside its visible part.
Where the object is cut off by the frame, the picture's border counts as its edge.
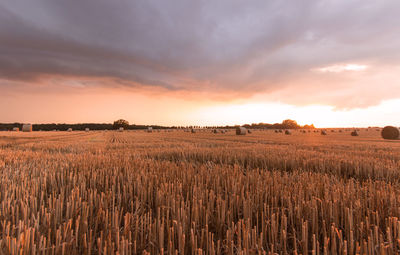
(333, 63)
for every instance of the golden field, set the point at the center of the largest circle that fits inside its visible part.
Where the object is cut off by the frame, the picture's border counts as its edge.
(135, 192)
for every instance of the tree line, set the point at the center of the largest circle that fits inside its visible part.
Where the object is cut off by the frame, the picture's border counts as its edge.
(75, 127)
(286, 124)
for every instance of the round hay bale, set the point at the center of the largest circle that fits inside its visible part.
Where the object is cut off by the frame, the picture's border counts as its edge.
(149, 129)
(354, 133)
(27, 128)
(323, 132)
(241, 131)
(121, 129)
(15, 129)
(69, 130)
(287, 132)
(87, 129)
(390, 132)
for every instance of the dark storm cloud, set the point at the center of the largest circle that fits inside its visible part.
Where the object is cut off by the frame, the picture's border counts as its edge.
(180, 45)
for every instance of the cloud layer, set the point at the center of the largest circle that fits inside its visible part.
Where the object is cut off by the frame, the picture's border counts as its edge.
(224, 47)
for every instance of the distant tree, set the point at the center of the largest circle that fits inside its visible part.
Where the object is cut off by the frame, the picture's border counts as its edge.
(309, 126)
(290, 124)
(121, 123)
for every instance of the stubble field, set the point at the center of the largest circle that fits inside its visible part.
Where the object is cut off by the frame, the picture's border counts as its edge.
(181, 193)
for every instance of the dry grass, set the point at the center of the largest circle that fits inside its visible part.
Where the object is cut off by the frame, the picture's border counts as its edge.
(203, 193)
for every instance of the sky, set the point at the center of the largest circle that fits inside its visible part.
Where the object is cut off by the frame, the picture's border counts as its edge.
(333, 63)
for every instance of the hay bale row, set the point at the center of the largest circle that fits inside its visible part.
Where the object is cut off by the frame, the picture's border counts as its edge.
(216, 131)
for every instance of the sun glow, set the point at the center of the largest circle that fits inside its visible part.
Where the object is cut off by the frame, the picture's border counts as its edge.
(268, 113)
(319, 115)
(342, 68)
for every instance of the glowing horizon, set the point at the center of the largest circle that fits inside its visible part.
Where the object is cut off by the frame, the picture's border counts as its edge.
(162, 110)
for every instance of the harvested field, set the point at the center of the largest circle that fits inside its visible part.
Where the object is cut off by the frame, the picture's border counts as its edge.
(135, 192)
